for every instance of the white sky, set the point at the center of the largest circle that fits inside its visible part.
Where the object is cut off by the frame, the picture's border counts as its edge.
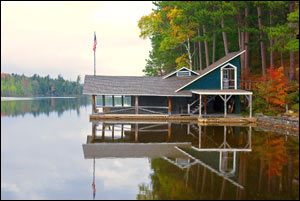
(57, 38)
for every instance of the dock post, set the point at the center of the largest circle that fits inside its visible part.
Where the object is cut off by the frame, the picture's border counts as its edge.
(113, 100)
(170, 105)
(122, 100)
(136, 104)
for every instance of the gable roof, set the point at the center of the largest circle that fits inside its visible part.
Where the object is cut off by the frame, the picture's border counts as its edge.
(214, 66)
(135, 86)
(172, 73)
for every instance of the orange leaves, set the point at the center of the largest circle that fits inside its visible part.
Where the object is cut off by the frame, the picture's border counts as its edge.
(275, 156)
(273, 90)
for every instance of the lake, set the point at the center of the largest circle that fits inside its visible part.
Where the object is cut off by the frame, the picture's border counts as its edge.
(50, 150)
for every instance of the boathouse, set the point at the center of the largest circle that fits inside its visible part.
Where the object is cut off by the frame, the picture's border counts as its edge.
(215, 89)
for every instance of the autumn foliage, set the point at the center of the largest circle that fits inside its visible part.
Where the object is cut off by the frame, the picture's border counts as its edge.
(271, 92)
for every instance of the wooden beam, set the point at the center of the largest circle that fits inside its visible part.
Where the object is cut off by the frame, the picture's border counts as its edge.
(170, 105)
(136, 104)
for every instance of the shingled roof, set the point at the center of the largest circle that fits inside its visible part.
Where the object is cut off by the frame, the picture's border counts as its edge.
(135, 86)
(221, 61)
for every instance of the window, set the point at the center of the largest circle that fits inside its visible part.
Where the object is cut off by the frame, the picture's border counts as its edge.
(183, 73)
(228, 79)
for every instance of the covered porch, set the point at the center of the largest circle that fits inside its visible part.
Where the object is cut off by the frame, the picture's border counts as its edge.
(225, 95)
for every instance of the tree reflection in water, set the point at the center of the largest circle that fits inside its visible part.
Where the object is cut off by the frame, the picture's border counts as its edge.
(225, 162)
(42, 106)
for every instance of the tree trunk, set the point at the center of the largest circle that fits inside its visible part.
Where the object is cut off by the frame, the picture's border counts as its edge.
(271, 40)
(195, 57)
(292, 75)
(188, 48)
(214, 43)
(262, 45)
(224, 36)
(247, 53)
(206, 47)
(241, 41)
(200, 50)
(214, 40)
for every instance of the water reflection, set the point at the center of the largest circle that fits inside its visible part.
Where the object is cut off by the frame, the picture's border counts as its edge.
(37, 106)
(190, 161)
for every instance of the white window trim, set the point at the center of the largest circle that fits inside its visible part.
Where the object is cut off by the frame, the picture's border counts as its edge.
(183, 71)
(235, 75)
(172, 73)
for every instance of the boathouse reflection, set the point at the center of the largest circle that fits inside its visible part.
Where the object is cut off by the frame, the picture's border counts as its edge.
(184, 145)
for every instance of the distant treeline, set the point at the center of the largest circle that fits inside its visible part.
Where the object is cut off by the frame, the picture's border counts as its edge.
(43, 106)
(21, 85)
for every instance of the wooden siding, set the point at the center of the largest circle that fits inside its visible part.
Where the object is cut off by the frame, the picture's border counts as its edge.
(212, 80)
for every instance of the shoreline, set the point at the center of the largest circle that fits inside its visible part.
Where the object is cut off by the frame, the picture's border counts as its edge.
(33, 98)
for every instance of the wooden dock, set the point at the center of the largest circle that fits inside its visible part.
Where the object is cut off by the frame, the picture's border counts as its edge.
(216, 120)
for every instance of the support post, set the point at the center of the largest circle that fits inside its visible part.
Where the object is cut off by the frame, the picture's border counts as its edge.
(225, 106)
(205, 104)
(103, 100)
(170, 105)
(103, 131)
(113, 100)
(94, 104)
(136, 104)
(122, 100)
(250, 102)
(200, 105)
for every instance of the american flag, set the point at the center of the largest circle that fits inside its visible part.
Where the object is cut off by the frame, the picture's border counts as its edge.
(95, 42)
(94, 190)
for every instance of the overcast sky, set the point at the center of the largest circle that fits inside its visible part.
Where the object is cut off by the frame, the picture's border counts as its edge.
(57, 38)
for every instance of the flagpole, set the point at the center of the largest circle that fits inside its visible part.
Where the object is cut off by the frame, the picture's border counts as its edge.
(94, 58)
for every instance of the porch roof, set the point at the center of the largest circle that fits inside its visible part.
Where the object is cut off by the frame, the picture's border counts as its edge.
(135, 86)
(222, 92)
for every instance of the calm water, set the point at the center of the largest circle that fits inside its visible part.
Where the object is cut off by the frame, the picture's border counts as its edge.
(50, 150)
